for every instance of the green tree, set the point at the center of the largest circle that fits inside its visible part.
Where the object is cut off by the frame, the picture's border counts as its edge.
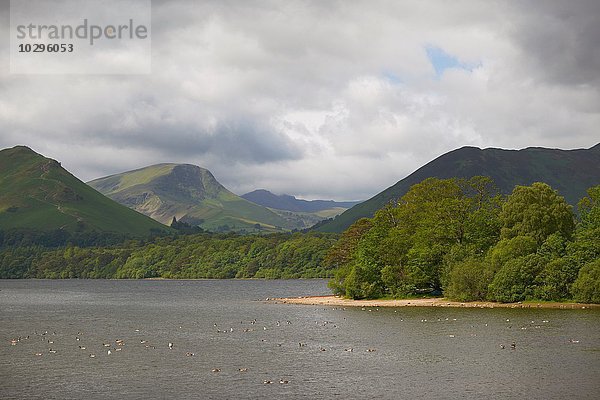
(586, 288)
(537, 211)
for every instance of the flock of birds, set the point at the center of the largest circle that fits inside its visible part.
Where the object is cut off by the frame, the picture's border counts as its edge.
(118, 344)
(69, 342)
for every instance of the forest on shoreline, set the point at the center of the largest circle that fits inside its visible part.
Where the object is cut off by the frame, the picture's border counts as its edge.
(462, 238)
(456, 237)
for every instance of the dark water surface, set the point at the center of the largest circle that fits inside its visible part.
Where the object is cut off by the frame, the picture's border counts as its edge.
(417, 352)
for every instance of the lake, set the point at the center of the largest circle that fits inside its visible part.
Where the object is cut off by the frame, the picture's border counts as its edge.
(228, 343)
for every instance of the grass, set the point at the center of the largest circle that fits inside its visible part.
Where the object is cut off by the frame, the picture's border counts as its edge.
(44, 196)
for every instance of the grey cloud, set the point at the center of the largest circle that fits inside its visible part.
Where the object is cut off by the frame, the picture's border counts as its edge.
(561, 39)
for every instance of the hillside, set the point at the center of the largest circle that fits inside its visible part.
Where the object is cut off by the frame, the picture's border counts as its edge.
(188, 193)
(570, 172)
(38, 193)
(291, 203)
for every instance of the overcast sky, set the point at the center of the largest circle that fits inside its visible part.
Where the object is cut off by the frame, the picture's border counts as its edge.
(321, 99)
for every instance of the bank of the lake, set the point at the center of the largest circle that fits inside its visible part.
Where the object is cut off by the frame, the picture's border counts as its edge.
(423, 302)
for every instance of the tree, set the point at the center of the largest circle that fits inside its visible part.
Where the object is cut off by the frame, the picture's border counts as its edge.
(536, 211)
(586, 288)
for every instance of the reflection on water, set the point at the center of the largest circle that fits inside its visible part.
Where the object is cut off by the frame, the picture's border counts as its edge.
(227, 343)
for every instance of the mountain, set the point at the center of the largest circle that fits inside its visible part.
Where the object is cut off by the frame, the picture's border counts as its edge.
(301, 214)
(189, 193)
(38, 193)
(290, 203)
(571, 172)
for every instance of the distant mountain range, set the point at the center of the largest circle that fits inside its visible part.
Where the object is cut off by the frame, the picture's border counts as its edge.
(291, 203)
(190, 194)
(571, 172)
(37, 193)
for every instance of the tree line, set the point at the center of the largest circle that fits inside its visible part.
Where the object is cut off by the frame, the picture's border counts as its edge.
(462, 238)
(202, 255)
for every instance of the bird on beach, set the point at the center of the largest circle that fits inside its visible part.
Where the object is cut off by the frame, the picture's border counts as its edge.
(170, 346)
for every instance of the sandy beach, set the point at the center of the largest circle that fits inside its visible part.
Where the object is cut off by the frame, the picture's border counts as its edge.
(427, 302)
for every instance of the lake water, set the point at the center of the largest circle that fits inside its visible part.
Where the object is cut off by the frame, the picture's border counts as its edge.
(416, 352)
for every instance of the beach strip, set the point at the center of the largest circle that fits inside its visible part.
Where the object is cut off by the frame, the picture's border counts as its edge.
(337, 301)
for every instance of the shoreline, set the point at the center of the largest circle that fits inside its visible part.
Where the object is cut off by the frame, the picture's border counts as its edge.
(331, 300)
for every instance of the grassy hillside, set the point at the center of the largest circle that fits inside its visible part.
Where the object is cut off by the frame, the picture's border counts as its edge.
(188, 193)
(37, 193)
(570, 172)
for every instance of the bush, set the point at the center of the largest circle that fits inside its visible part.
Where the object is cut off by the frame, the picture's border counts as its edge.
(515, 280)
(468, 281)
(586, 288)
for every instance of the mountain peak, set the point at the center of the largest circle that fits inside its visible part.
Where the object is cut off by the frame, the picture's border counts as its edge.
(189, 193)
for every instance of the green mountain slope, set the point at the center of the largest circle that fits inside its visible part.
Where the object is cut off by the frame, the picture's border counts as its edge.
(37, 193)
(570, 172)
(188, 193)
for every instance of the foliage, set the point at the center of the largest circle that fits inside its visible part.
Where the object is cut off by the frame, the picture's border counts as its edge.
(536, 211)
(192, 256)
(461, 237)
(587, 286)
(402, 250)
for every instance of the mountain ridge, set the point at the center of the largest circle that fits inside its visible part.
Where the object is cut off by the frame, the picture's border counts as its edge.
(288, 202)
(571, 172)
(38, 193)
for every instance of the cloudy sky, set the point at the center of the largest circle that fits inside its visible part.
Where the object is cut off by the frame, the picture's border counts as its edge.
(320, 99)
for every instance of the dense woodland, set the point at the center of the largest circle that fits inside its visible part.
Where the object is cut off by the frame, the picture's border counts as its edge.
(456, 237)
(203, 255)
(463, 239)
